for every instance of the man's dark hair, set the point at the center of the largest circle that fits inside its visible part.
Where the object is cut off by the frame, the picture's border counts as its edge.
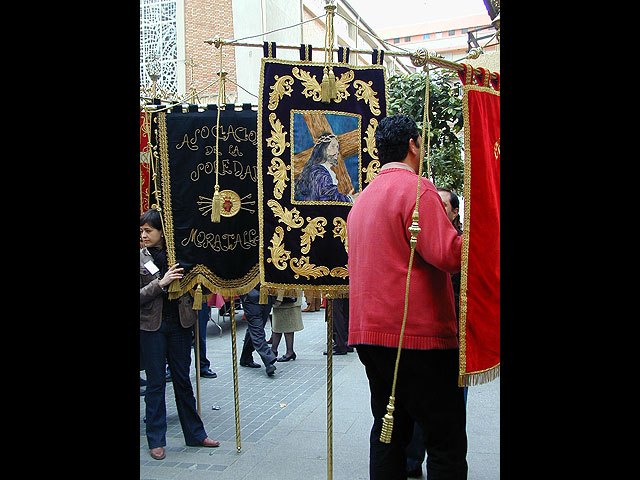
(453, 198)
(392, 137)
(152, 217)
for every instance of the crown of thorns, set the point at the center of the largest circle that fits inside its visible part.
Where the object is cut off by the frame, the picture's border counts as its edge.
(326, 138)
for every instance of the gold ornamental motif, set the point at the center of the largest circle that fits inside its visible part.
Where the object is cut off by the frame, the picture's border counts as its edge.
(366, 93)
(313, 229)
(231, 204)
(277, 140)
(341, 272)
(291, 218)
(311, 86)
(305, 269)
(279, 171)
(279, 89)
(279, 255)
(370, 139)
(372, 170)
(340, 231)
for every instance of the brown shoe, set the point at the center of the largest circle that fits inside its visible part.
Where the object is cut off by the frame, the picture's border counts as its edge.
(207, 442)
(157, 453)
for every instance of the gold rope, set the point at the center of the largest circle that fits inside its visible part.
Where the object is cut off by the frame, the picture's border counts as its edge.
(414, 229)
(217, 198)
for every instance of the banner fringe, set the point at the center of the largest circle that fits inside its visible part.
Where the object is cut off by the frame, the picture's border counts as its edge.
(309, 291)
(478, 378)
(228, 292)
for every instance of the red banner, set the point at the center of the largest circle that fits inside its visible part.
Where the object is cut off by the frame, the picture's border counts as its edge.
(145, 158)
(480, 273)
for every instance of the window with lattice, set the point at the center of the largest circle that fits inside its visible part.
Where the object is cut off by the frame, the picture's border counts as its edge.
(159, 44)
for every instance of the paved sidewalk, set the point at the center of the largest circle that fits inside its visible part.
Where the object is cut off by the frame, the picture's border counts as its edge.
(283, 418)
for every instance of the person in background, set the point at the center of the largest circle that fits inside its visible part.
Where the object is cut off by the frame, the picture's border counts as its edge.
(257, 315)
(340, 322)
(165, 335)
(287, 319)
(313, 303)
(203, 320)
(416, 450)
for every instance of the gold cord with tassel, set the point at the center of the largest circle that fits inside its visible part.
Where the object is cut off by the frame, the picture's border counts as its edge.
(333, 90)
(324, 88)
(197, 298)
(414, 230)
(217, 200)
(216, 207)
(328, 88)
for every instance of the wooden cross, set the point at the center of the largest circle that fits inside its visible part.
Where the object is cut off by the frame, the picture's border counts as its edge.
(349, 146)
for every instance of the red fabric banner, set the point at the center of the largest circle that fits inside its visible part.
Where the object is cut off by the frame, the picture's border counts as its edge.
(480, 273)
(145, 158)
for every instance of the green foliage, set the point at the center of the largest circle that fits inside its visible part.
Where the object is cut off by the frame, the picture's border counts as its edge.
(406, 95)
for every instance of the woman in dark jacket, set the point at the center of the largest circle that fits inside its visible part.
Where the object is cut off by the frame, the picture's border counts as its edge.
(165, 335)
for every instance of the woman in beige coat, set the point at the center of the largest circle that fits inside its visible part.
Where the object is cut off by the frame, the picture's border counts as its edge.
(287, 319)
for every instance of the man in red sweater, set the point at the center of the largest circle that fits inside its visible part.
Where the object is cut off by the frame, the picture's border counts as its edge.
(426, 390)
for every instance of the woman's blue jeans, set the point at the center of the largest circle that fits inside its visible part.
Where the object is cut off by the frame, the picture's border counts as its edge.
(173, 343)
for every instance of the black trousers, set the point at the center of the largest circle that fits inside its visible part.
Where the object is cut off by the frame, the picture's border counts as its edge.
(254, 338)
(340, 310)
(427, 392)
(172, 344)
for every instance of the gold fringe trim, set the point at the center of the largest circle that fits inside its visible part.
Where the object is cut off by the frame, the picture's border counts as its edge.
(174, 287)
(225, 291)
(478, 378)
(274, 289)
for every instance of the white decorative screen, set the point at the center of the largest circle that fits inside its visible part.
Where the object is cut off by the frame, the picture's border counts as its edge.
(158, 40)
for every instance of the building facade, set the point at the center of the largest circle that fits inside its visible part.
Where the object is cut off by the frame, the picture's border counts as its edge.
(450, 38)
(173, 35)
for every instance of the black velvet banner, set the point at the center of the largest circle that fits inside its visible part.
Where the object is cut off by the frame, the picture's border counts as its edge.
(222, 256)
(314, 158)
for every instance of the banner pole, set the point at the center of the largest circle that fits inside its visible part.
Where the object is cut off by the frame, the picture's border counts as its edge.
(235, 373)
(329, 309)
(197, 360)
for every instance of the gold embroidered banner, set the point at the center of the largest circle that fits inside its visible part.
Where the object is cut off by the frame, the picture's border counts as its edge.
(145, 160)
(221, 256)
(480, 273)
(314, 158)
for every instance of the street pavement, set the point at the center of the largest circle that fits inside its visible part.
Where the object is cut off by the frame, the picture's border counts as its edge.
(283, 418)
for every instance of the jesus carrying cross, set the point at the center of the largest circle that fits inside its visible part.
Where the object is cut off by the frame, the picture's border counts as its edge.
(320, 173)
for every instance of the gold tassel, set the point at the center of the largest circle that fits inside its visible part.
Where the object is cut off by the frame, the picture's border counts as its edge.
(197, 298)
(387, 422)
(333, 90)
(217, 206)
(324, 88)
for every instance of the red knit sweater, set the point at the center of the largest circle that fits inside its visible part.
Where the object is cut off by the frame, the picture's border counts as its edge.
(378, 242)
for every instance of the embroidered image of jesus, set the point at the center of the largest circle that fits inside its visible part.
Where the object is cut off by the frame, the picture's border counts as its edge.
(326, 157)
